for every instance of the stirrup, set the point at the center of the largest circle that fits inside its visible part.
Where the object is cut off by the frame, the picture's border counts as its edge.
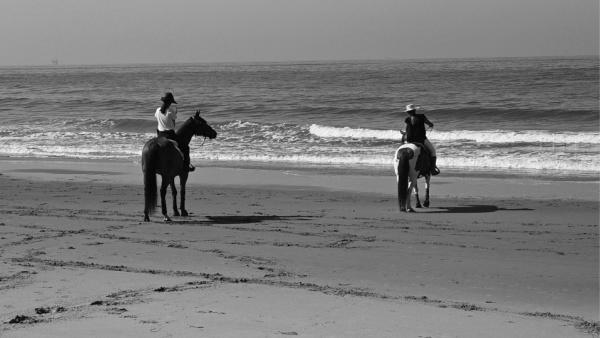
(435, 171)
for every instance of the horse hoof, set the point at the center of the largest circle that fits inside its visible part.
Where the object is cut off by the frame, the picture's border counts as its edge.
(184, 213)
(146, 218)
(426, 204)
(418, 206)
(176, 213)
(410, 210)
(167, 219)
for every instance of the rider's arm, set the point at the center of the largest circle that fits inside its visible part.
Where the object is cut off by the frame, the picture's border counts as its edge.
(173, 113)
(428, 122)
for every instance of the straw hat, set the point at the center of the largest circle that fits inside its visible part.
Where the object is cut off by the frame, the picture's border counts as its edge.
(411, 107)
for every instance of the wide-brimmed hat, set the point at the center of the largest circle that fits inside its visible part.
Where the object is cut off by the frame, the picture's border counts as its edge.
(411, 107)
(168, 98)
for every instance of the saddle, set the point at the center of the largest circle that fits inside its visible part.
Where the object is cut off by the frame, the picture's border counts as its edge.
(183, 149)
(423, 164)
(167, 142)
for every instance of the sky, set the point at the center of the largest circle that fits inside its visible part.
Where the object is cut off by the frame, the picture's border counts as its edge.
(34, 32)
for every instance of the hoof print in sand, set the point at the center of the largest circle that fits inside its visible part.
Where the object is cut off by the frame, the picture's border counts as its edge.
(46, 309)
(22, 319)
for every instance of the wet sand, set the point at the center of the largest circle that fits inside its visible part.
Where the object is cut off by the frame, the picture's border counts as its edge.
(286, 253)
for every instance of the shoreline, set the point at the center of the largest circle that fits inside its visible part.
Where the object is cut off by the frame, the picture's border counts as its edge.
(339, 170)
(289, 252)
(446, 185)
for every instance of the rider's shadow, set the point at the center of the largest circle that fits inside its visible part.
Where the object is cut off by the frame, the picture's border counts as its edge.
(475, 209)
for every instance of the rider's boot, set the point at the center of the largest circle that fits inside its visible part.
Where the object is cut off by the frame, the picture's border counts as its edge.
(186, 159)
(434, 168)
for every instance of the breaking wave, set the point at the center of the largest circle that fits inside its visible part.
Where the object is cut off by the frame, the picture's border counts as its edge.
(490, 136)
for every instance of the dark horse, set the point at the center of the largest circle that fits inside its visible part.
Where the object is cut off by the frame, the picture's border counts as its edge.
(164, 157)
(411, 161)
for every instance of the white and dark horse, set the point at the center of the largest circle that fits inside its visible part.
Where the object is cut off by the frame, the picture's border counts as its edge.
(164, 157)
(411, 161)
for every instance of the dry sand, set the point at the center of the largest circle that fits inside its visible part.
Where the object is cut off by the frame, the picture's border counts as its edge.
(289, 253)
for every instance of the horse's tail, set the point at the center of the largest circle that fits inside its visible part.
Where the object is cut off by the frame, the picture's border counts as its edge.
(149, 161)
(403, 158)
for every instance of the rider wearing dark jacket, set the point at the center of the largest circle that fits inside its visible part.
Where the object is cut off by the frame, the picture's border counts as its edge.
(415, 133)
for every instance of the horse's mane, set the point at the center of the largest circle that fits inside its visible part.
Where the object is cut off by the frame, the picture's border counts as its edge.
(185, 131)
(185, 125)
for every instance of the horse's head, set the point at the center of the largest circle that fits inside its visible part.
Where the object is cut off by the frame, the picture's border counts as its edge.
(201, 128)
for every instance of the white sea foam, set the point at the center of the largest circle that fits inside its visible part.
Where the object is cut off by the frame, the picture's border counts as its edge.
(519, 162)
(553, 162)
(526, 136)
(358, 133)
(485, 136)
(282, 144)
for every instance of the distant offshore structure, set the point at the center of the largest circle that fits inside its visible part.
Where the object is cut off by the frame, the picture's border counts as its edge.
(55, 62)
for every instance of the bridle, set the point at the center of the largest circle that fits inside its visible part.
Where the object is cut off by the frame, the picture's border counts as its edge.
(202, 123)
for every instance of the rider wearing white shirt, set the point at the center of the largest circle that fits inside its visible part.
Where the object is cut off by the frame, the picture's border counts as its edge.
(166, 120)
(166, 115)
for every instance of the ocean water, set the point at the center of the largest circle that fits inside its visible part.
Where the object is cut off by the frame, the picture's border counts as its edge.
(508, 115)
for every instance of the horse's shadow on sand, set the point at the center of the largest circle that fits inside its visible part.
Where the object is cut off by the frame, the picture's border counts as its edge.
(208, 220)
(473, 209)
(237, 219)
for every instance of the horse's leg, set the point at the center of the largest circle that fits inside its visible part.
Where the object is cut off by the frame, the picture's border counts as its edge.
(163, 191)
(174, 194)
(182, 180)
(401, 179)
(401, 193)
(417, 194)
(411, 186)
(427, 180)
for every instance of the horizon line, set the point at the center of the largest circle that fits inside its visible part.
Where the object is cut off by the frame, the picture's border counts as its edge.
(58, 64)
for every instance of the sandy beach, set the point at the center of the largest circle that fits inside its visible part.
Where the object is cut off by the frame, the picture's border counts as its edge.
(270, 253)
